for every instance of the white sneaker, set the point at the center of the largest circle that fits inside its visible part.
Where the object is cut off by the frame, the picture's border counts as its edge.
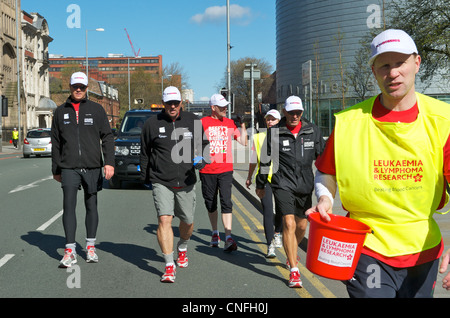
(91, 256)
(278, 240)
(271, 251)
(69, 259)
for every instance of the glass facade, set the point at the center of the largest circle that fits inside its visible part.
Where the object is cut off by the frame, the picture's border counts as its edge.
(328, 33)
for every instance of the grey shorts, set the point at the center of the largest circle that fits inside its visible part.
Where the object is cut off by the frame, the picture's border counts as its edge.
(175, 202)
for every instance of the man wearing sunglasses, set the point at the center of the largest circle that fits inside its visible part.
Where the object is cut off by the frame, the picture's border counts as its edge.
(292, 145)
(170, 142)
(81, 137)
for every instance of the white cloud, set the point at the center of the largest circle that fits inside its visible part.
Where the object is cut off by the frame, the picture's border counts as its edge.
(217, 14)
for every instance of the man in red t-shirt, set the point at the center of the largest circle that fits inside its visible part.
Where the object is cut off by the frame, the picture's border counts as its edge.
(217, 177)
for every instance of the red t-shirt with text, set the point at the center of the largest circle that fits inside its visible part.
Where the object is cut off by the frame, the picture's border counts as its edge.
(220, 133)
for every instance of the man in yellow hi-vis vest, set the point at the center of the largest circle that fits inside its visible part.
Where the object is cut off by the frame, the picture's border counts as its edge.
(390, 156)
(15, 137)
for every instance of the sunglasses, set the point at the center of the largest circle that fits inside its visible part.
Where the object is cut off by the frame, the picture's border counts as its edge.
(295, 112)
(81, 87)
(173, 102)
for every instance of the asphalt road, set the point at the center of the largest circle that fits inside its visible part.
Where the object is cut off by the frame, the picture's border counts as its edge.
(131, 263)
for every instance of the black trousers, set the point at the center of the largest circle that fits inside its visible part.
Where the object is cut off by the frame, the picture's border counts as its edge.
(73, 180)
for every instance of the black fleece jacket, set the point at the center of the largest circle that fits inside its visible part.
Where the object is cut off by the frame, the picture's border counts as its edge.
(292, 157)
(168, 148)
(88, 144)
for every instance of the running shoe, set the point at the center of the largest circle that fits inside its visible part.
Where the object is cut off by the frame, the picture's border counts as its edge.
(169, 275)
(91, 256)
(278, 240)
(69, 259)
(215, 240)
(294, 280)
(182, 260)
(271, 251)
(230, 245)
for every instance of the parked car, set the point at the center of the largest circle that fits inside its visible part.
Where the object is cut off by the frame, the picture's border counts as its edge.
(37, 142)
(128, 147)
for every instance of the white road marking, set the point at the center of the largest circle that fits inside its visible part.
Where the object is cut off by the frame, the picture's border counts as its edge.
(29, 186)
(5, 259)
(53, 219)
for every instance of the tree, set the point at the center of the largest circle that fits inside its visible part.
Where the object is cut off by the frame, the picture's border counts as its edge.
(428, 23)
(242, 88)
(360, 74)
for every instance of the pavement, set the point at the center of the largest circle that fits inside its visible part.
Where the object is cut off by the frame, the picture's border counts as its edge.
(8, 148)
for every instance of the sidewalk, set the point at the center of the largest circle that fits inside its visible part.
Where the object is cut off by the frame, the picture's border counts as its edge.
(8, 148)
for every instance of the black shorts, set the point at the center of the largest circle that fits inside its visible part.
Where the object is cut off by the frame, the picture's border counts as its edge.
(375, 279)
(287, 202)
(214, 184)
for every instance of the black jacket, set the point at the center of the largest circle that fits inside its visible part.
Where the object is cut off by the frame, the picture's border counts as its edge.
(292, 157)
(168, 148)
(88, 144)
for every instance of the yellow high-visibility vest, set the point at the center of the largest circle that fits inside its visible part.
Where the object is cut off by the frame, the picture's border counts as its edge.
(258, 140)
(390, 175)
(15, 134)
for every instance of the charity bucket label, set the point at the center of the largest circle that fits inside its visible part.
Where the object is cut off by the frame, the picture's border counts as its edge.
(336, 253)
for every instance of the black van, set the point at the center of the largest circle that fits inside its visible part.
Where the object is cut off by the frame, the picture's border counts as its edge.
(128, 147)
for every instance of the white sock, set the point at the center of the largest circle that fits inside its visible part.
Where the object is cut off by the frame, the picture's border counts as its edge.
(71, 246)
(90, 242)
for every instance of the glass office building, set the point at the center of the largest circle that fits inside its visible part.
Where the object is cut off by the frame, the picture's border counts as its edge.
(317, 45)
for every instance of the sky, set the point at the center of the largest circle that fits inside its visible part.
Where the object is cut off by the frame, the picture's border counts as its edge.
(192, 33)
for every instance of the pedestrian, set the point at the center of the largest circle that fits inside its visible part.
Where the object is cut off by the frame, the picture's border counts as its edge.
(217, 177)
(397, 144)
(170, 141)
(292, 145)
(272, 222)
(15, 137)
(81, 136)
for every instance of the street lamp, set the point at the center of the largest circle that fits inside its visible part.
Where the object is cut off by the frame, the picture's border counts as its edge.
(87, 61)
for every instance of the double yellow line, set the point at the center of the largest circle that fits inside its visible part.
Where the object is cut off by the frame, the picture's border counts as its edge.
(302, 292)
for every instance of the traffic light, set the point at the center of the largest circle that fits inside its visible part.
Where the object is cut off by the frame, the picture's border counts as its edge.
(4, 106)
(224, 92)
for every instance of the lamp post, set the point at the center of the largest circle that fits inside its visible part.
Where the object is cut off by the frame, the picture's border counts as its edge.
(87, 60)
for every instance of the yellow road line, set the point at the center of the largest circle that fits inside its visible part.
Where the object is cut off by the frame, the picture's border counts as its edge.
(303, 270)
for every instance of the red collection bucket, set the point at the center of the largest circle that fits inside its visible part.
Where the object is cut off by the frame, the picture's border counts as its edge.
(334, 247)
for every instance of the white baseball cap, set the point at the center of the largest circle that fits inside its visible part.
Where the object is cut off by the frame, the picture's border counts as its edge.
(171, 93)
(273, 112)
(79, 78)
(392, 40)
(293, 103)
(218, 100)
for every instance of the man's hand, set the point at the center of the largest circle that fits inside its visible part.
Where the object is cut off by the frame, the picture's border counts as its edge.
(443, 268)
(109, 171)
(324, 207)
(260, 193)
(199, 162)
(57, 177)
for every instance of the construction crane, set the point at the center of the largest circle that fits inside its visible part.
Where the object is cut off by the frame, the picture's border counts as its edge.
(131, 43)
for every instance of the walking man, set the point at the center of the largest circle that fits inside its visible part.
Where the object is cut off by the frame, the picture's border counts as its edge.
(81, 136)
(398, 146)
(170, 142)
(293, 145)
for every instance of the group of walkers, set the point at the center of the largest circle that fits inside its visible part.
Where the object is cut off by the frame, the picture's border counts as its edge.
(399, 126)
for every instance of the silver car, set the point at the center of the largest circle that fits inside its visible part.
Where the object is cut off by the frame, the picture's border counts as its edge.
(37, 142)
